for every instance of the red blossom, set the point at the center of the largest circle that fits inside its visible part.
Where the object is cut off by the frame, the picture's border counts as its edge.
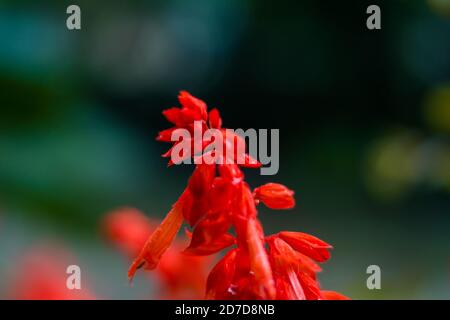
(159, 241)
(180, 276)
(221, 208)
(275, 196)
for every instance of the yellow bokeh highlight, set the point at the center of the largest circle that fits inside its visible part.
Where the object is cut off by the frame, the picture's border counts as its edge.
(437, 109)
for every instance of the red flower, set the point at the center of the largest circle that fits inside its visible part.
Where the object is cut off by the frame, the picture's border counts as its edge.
(275, 196)
(216, 200)
(180, 276)
(160, 240)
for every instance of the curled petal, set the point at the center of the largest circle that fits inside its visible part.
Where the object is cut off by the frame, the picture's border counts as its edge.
(210, 236)
(275, 196)
(307, 244)
(333, 295)
(207, 248)
(159, 240)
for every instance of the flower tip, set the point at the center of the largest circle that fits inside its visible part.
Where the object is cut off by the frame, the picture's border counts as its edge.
(250, 162)
(132, 271)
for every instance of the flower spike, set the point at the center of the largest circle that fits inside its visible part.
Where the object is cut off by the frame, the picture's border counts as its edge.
(221, 208)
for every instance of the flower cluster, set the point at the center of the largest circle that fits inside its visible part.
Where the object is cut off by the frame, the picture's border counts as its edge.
(221, 208)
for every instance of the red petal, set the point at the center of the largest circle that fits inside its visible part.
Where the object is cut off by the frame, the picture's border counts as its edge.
(205, 249)
(275, 196)
(172, 115)
(297, 287)
(231, 172)
(166, 135)
(210, 236)
(333, 295)
(201, 179)
(197, 209)
(250, 162)
(190, 102)
(234, 147)
(160, 240)
(310, 286)
(283, 256)
(259, 261)
(220, 196)
(221, 276)
(284, 290)
(199, 185)
(307, 265)
(307, 244)
(188, 116)
(214, 119)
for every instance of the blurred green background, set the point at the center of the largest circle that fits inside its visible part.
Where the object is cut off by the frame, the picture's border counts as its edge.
(364, 119)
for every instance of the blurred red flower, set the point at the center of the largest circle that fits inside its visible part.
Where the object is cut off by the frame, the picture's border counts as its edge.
(41, 274)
